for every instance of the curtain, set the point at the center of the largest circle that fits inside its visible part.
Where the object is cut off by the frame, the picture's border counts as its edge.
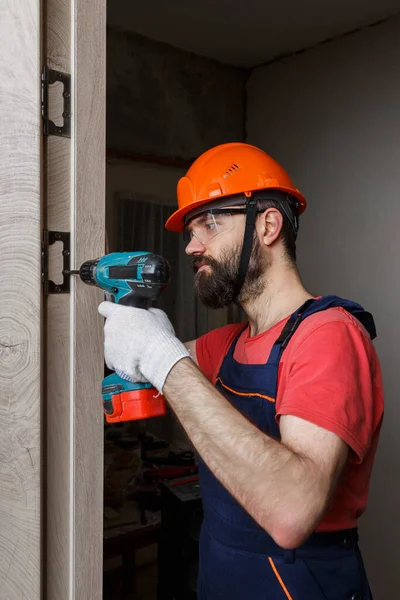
(141, 227)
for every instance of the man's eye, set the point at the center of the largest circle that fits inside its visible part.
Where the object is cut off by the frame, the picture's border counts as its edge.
(210, 225)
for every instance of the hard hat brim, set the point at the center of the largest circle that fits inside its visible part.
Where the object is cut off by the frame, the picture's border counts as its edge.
(176, 221)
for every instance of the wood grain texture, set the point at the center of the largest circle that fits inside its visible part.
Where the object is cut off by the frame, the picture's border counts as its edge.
(75, 170)
(20, 301)
(90, 58)
(57, 169)
(58, 419)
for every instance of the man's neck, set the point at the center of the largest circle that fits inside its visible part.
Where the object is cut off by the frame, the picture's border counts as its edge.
(282, 295)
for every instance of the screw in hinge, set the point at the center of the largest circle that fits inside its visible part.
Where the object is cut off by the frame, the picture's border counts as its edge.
(72, 272)
(43, 264)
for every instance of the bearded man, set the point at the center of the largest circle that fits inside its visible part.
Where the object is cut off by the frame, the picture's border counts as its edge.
(284, 410)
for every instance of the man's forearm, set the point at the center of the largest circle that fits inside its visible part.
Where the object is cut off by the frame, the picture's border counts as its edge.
(275, 485)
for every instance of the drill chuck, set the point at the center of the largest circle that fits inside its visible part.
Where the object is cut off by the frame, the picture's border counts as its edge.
(87, 272)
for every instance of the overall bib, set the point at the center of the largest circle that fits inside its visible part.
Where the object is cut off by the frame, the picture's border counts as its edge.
(238, 559)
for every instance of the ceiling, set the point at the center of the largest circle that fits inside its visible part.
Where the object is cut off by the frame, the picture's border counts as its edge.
(246, 32)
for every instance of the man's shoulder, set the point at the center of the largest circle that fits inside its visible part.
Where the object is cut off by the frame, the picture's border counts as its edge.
(330, 326)
(332, 315)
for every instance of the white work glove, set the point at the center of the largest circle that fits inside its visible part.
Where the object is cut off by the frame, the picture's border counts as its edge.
(140, 343)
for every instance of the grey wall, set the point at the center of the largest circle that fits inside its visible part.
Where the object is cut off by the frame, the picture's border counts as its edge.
(332, 117)
(126, 178)
(166, 102)
(163, 102)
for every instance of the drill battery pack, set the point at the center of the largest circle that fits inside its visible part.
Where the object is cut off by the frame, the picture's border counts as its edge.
(128, 401)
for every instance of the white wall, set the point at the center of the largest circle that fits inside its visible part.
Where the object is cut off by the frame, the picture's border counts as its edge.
(332, 116)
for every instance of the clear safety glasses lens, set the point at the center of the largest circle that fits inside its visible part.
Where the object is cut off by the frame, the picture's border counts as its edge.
(207, 225)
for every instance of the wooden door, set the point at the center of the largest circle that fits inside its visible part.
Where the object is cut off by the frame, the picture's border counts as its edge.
(74, 184)
(20, 301)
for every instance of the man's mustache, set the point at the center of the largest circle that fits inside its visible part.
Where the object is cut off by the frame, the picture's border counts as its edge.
(200, 261)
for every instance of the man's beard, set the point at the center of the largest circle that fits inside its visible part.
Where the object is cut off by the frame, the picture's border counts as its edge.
(217, 288)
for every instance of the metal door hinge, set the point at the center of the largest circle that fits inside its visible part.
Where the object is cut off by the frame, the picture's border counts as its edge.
(50, 76)
(49, 286)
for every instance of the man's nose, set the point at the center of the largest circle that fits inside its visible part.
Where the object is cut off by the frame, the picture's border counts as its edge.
(195, 247)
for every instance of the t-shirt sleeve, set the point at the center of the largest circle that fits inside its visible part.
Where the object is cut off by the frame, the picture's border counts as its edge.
(329, 381)
(211, 349)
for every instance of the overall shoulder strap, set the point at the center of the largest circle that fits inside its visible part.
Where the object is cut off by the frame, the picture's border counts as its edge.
(293, 323)
(312, 306)
(288, 331)
(235, 341)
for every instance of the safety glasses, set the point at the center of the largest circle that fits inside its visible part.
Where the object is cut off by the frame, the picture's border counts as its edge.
(207, 225)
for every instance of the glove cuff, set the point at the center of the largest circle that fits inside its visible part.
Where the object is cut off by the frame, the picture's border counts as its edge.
(169, 350)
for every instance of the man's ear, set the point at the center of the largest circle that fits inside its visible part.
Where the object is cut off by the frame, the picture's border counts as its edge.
(271, 225)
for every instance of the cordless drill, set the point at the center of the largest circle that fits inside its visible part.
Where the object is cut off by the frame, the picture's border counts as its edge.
(131, 279)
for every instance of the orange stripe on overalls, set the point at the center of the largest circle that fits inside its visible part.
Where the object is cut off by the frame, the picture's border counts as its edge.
(243, 394)
(279, 578)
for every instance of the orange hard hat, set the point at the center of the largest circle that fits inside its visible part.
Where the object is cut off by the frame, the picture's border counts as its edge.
(226, 170)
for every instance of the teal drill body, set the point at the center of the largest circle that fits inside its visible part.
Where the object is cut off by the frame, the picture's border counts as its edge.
(131, 279)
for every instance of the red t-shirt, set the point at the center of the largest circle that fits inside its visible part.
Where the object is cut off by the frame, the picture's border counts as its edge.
(329, 374)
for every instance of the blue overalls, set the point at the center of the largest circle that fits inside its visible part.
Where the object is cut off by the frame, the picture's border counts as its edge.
(238, 559)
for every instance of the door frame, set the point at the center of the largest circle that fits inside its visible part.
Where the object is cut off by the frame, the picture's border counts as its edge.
(74, 42)
(88, 348)
(51, 348)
